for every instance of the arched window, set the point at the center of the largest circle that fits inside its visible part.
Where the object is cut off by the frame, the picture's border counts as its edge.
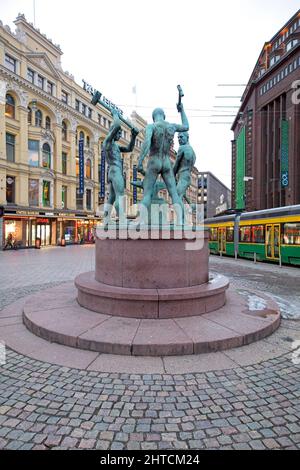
(87, 141)
(48, 123)
(29, 115)
(88, 169)
(64, 130)
(38, 118)
(81, 136)
(10, 107)
(46, 162)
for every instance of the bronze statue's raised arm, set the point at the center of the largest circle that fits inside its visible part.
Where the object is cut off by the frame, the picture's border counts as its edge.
(184, 127)
(115, 128)
(130, 147)
(145, 147)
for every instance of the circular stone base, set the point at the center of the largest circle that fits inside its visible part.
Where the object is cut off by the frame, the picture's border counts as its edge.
(151, 303)
(56, 316)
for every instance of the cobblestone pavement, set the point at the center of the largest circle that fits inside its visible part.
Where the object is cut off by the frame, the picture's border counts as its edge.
(46, 406)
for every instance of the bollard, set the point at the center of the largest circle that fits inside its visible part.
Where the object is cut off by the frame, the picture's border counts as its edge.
(280, 261)
(255, 258)
(235, 255)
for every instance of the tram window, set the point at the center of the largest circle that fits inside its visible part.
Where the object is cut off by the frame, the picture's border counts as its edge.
(258, 234)
(291, 234)
(245, 234)
(213, 234)
(230, 234)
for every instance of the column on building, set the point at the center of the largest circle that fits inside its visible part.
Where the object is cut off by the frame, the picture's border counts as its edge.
(95, 171)
(22, 157)
(71, 196)
(57, 163)
(2, 141)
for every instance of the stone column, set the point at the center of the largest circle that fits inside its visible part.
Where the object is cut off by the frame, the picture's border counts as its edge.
(2, 142)
(71, 198)
(2, 121)
(95, 174)
(22, 189)
(57, 153)
(51, 193)
(58, 195)
(72, 167)
(41, 193)
(23, 136)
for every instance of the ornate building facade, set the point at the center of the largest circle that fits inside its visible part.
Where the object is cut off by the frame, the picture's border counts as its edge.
(44, 114)
(266, 145)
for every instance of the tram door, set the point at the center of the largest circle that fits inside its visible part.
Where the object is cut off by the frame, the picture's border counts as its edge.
(222, 239)
(273, 241)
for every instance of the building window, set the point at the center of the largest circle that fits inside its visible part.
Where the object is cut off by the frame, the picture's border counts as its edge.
(33, 192)
(10, 189)
(87, 141)
(50, 88)
(38, 118)
(83, 109)
(33, 152)
(77, 105)
(64, 131)
(29, 115)
(88, 169)
(89, 199)
(30, 76)
(64, 191)
(10, 147)
(90, 113)
(48, 123)
(99, 118)
(291, 44)
(81, 136)
(46, 193)
(10, 107)
(46, 158)
(65, 97)
(40, 81)
(79, 200)
(64, 163)
(10, 63)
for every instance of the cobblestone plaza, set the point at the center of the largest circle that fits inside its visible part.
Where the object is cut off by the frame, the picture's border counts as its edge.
(246, 398)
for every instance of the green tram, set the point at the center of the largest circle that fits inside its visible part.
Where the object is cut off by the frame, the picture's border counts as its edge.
(268, 235)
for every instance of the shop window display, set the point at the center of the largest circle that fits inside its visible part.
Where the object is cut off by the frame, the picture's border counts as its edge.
(46, 193)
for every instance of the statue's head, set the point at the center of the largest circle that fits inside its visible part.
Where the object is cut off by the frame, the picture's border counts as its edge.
(158, 115)
(183, 138)
(118, 134)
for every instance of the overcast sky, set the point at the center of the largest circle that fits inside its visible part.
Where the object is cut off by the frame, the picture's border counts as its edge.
(155, 45)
